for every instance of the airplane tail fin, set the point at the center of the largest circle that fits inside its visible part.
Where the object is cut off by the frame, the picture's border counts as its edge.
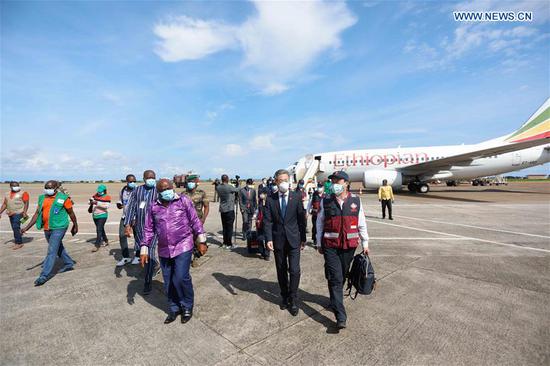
(537, 126)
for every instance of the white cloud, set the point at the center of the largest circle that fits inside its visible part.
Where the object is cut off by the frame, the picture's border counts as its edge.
(261, 142)
(184, 38)
(234, 150)
(211, 115)
(112, 155)
(280, 41)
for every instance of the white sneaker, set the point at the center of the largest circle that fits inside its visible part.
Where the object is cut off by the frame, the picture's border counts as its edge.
(123, 261)
(135, 260)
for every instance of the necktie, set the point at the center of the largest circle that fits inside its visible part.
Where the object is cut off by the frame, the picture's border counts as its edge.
(283, 205)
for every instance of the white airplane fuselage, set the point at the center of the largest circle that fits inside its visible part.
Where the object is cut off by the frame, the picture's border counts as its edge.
(378, 161)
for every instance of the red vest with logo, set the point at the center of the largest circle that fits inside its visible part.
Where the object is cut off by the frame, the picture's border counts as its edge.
(316, 203)
(340, 227)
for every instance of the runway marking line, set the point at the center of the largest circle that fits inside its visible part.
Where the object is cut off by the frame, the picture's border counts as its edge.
(460, 236)
(475, 227)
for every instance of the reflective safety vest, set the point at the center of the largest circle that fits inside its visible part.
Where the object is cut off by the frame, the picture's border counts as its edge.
(316, 203)
(15, 204)
(340, 229)
(59, 218)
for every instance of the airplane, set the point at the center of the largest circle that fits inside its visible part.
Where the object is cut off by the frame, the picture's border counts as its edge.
(416, 167)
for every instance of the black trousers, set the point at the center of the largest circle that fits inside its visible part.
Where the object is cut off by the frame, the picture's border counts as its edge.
(314, 228)
(337, 263)
(100, 231)
(386, 203)
(287, 262)
(228, 218)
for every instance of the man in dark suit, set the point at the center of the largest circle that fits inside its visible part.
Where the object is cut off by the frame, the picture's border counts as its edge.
(285, 233)
(248, 204)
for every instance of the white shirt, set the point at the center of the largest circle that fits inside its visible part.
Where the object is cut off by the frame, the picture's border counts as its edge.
(361, 226)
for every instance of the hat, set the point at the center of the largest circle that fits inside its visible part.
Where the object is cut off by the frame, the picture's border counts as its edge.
(340, 175)
(101, 188)
(192, 177)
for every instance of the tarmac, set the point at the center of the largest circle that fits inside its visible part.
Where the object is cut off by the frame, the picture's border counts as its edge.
(463, 279)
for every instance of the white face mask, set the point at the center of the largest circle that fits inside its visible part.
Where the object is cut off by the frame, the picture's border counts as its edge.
(263, 196)
(16, 189)
(284, 186)
(250, 186)
(319, 190)
(337, 189)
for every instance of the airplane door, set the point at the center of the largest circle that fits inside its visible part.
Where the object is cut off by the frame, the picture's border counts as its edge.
(516, 159)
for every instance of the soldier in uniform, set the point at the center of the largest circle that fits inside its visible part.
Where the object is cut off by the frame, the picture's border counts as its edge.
(201, 204)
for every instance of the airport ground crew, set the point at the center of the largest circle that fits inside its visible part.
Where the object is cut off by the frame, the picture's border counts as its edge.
(16, 203)
(122, 204)
(99, 206)
(174, 221)
(226, 193)
(201, 204)
(248, 204)
(341, 227)
(141, 198)
(52, 214)
(313, 209)
(385, 196)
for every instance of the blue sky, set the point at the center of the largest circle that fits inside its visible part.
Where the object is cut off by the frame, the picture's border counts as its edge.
(94, 90)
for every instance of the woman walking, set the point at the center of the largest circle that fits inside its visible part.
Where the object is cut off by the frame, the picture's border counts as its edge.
(99, 206)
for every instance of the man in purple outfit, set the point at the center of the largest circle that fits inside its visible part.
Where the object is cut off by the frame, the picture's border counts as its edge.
(174, 221)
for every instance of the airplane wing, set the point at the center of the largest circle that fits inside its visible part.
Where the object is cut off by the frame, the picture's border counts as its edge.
(466, 159)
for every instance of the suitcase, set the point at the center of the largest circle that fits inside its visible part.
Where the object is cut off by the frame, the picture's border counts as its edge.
(252, 242)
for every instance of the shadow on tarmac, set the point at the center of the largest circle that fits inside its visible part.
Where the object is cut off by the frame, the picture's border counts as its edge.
(269, 291)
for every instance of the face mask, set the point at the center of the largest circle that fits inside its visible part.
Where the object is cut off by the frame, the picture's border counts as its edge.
(250, 186)
(167, 195)
(301, 186)
(284, 186)
(191, 185)
(263, 196)
(150, 182)
(319, 190)
(132, 185)
(49, 191)
(16, 189)
(337, 188)
(264, 181)
(100, 193)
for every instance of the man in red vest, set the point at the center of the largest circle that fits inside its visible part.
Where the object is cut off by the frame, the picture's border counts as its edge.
(341, 228)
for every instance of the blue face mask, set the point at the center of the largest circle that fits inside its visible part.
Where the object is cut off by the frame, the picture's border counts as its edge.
(167, 195)
(100, 193)
(132, 185)
(191, 185)
(49, 192)
(150, 182)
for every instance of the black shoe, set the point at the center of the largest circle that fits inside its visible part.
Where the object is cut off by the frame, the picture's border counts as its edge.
(266, 258)
(40, 281)
(341, 324)
(186, 315)
(391, 218)
(171, 317)
(284, 304)
(293, 309)
(147, 288)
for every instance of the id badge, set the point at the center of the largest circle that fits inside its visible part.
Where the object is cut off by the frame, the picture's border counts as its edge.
(142, 205)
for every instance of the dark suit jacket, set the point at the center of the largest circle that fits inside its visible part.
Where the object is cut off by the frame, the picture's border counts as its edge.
(244, 200)
(292, 228)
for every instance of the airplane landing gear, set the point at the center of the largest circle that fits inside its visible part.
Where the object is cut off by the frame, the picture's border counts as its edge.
(418, 187)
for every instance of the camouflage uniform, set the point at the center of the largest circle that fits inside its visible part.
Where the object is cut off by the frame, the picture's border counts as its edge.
(199, 199)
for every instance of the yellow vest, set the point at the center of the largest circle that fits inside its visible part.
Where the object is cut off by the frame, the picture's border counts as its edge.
(385, 193)
(15, 204)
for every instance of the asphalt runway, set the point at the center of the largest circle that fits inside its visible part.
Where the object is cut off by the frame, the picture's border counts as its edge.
(463, 278)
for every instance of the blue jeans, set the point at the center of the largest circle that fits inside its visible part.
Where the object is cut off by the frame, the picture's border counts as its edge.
(15, 222)
(55, 249)
(177, 281)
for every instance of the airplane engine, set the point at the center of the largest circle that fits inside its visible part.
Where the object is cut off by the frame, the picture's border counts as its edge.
(372, 179)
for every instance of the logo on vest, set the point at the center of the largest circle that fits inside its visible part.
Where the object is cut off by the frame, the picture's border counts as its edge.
(353, 207)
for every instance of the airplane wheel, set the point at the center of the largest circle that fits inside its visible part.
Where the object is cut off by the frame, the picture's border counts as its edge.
(423, 188)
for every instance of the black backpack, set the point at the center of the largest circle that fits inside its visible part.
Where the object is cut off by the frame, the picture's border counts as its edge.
(361, 276)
